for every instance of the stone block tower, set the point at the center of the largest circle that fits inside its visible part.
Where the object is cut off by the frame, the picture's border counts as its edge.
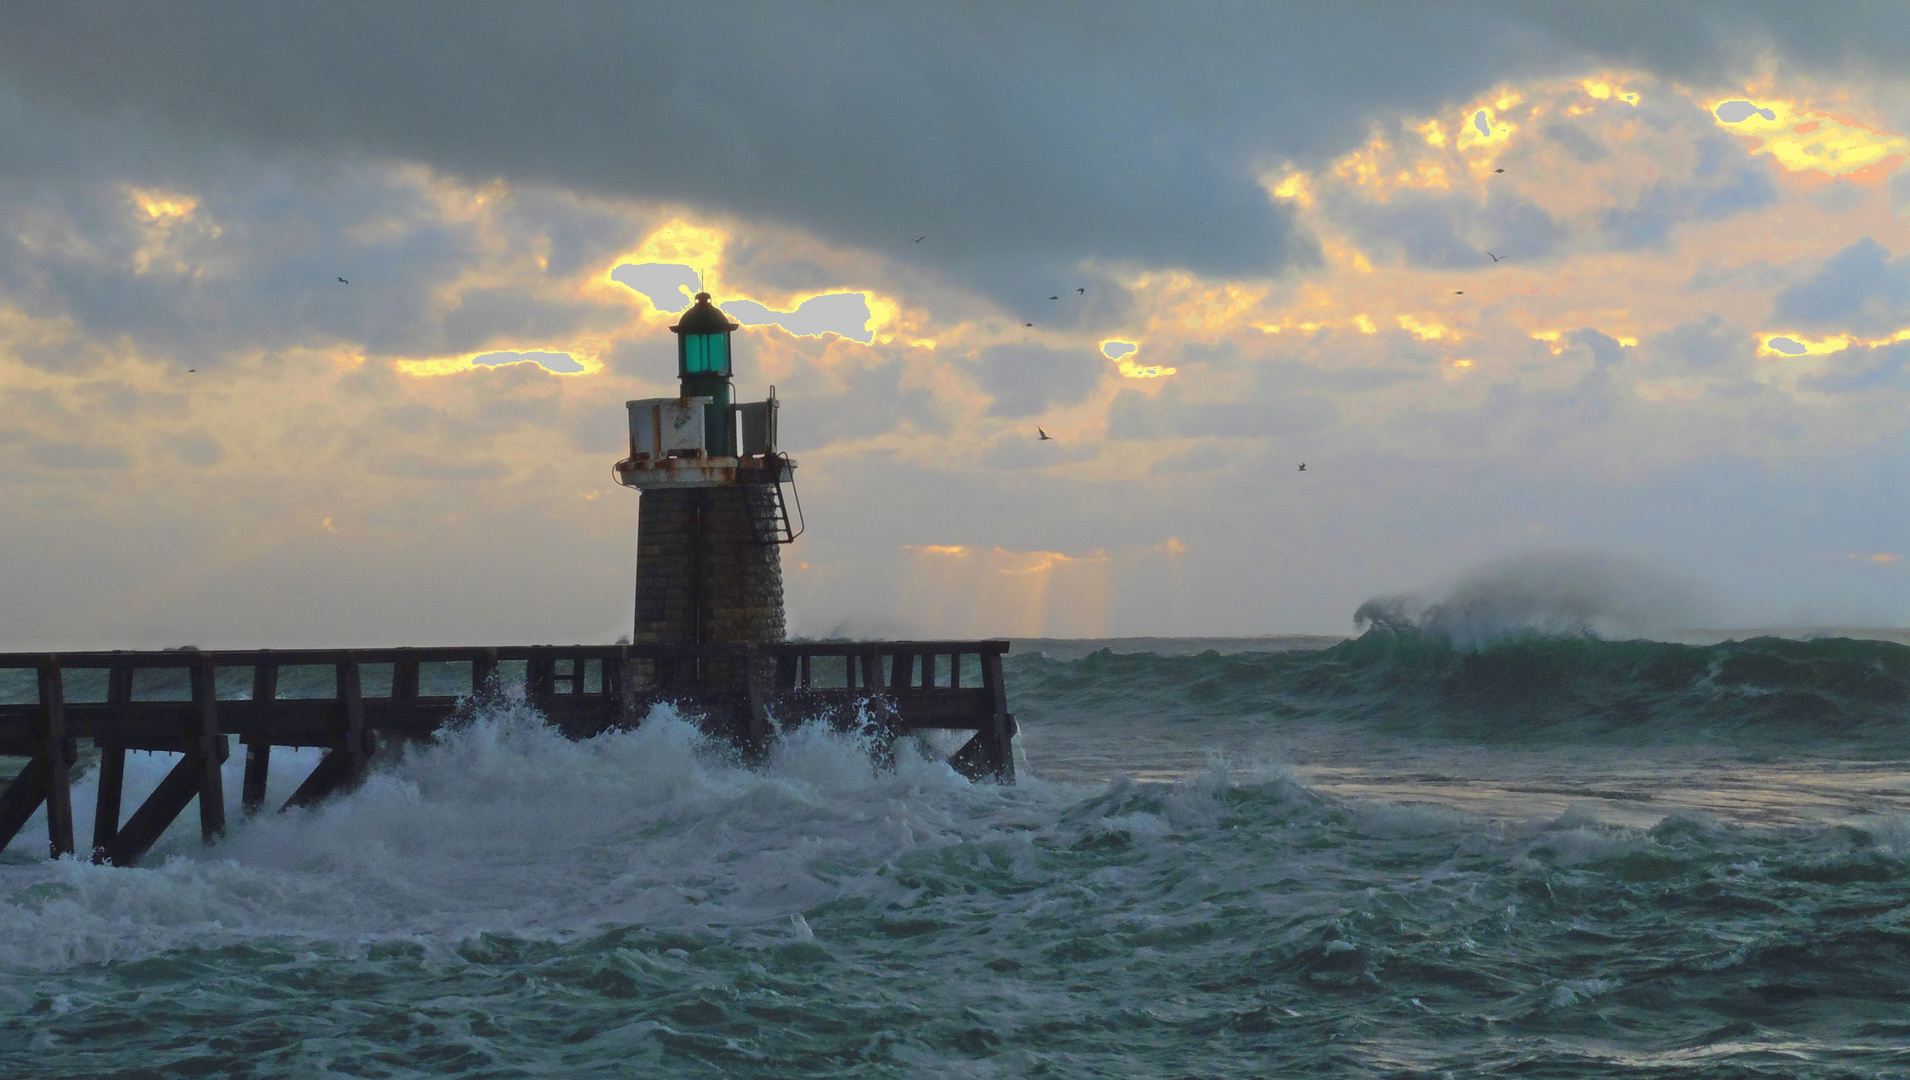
(712, 517)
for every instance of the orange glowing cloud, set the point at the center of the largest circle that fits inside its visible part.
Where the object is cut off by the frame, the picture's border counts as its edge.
(1803, 139)
(566, 361)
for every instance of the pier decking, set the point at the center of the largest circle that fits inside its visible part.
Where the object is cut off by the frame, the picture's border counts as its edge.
(191, 702)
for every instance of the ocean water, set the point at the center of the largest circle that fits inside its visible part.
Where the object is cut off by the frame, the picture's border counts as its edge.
(1392, 856)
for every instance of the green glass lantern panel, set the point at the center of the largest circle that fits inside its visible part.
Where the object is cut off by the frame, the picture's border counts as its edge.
(706, 354)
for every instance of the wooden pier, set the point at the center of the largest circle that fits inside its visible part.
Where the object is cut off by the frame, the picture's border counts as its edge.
(191, 702)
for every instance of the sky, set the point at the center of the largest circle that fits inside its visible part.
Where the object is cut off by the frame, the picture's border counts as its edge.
(316, 324)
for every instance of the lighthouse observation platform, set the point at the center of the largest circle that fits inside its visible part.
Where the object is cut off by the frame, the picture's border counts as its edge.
(192, 703)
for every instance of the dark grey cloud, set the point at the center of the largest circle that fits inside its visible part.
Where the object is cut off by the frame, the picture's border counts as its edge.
(484, 315)
(195, 448)
(65, 455)
(1704, 343)
(1606, 351)
(1748, 277)
(1013, 135)
(1452, 230)
(1026, 379)
(1861, 288)
(256, 264)
(1135, 415)
(1726, 181)
(1839, 198)
(861, 404)
(1859, 369)
(1577, 141)
(1897, 189)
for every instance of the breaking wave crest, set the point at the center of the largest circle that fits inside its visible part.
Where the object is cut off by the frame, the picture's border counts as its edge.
(1520, 688)
(1547, 595)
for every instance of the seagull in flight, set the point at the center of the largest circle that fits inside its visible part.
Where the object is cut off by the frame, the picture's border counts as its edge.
(1303, 466)
(342, 281)
(1498, 170)
(1027, 324)
(1054, 298)
(1459, 292)
(1045, 437)
(919, 239)
(1081, 292)
(1495, 258)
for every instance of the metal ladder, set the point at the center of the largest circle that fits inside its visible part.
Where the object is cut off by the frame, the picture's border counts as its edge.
(769, 513)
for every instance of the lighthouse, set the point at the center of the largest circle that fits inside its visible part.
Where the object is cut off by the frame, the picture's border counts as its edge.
(711, 517)
(711, 522)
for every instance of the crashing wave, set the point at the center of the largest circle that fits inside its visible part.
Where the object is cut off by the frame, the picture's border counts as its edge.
(1549, 595)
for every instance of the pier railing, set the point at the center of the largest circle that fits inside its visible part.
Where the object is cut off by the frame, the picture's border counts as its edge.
(349, 702)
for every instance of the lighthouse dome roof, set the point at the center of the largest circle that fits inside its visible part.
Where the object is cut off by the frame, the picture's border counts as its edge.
(703, 317)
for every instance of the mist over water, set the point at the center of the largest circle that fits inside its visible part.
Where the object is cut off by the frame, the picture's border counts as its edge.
(1547, 595)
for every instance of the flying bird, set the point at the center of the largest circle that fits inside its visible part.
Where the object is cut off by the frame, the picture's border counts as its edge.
(1027, 324)
(342, 281)
(1045, 437)
(1498, 170)
(1082, 292)
(1495, 258)
(1054, 298)
(1459, 292)
(1303, 466)
(192, 371)
(919, 239)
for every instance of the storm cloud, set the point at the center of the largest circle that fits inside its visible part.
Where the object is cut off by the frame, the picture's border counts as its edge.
(1005, 133)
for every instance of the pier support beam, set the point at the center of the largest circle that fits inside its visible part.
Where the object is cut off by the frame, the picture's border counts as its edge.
(47, 777)
(211, 752)
(989, 753)
(345, 764)
(112, 762)
(258, 755)
(58, 754)
(197, 775)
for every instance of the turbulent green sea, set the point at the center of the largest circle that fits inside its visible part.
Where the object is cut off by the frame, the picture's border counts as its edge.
(1215, 865)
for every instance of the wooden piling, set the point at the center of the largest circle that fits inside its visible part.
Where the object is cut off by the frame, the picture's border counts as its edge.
(756, 690)
(211, 751)
(351, 701)
(58, 755)
(258, 752)
(484, 674)
(1001, 724)
(150, 821)
(112, 787)
(404, 680)
(112, 763)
